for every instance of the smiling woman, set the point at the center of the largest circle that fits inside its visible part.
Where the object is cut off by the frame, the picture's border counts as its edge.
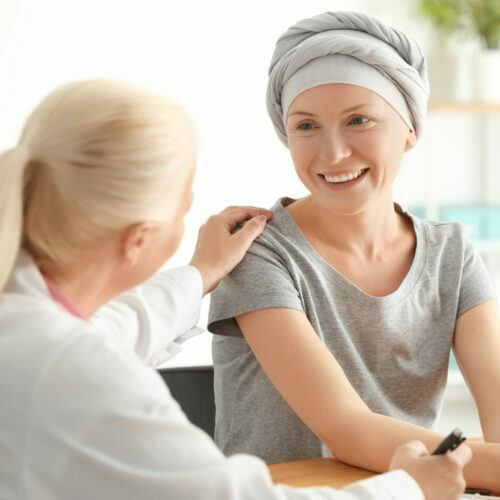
(334, 332)
(355, 150)
(348, 158)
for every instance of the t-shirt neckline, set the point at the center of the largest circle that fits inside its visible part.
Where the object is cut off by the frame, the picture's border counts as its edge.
(406, 286)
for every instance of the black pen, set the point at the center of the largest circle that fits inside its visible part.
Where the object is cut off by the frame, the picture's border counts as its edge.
(450, 442)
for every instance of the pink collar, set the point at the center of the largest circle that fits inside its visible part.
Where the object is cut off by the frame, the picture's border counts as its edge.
(58, 296)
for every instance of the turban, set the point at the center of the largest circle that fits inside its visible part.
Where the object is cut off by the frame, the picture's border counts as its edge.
(348, 47)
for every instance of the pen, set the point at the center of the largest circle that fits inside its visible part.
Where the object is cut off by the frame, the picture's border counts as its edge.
(450, 442)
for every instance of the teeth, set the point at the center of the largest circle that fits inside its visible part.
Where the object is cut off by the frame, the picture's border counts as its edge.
(343, 178)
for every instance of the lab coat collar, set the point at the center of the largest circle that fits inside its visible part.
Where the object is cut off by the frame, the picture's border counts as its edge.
(26, 278)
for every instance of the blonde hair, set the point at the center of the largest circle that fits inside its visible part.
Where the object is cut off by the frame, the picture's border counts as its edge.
(94, 158)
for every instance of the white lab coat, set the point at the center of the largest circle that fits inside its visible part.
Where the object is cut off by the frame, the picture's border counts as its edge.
(83, 418)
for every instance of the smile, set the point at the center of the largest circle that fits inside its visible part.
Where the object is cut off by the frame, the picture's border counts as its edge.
(341, 179)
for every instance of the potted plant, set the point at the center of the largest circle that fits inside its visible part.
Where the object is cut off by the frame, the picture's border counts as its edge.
(449, 69)
(448, 16)
(457, 20)
(484, 18)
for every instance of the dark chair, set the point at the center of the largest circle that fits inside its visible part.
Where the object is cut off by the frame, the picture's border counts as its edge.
(193, 388)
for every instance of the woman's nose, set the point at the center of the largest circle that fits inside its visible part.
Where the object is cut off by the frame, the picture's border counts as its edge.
(334, 148)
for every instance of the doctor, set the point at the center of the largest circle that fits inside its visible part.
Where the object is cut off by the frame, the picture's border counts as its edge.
(92, 202)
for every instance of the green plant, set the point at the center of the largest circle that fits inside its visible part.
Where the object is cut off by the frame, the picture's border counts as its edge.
(485, 18)
(449, 16)
(465, 17)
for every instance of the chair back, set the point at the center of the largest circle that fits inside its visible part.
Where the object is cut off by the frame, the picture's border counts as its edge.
(193, 388)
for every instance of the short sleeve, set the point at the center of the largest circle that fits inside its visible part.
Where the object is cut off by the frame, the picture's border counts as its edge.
(475, 284)
(260, 281)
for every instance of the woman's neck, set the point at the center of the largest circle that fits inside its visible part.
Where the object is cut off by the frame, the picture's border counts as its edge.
(87, 284)
(364, 235)
(59, 297)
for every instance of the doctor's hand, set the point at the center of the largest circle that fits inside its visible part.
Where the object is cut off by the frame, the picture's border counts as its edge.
(218, 250)
(440, 477)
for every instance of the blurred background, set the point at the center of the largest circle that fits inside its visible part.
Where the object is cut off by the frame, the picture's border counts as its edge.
(212, 57)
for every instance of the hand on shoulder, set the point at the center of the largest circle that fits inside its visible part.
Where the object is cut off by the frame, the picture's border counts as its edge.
(217, 250)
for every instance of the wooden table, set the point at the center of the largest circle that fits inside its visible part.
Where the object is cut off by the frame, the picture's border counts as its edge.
(317, 472)
(320, 472)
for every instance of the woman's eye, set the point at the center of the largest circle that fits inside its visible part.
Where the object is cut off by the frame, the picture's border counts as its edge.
(359, 120)
(306, 126)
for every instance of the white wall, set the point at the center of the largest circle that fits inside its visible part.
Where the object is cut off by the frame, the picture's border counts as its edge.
(213, 58)
(210, 56)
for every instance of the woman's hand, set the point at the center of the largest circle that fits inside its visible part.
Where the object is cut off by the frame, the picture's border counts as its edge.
(440, 477)
(218, 251)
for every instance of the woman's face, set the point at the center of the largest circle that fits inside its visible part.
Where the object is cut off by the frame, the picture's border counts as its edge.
(347, 145)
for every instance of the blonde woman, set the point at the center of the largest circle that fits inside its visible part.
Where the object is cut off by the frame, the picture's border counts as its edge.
(334, 332)
(92, 201)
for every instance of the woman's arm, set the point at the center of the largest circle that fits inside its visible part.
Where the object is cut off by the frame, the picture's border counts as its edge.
(314, 385)
(477, 349)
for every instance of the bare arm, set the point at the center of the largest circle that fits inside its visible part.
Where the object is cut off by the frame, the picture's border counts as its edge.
(283, 339)
(477, 349)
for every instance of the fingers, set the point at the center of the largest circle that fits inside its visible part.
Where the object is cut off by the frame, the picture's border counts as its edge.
(250, 231)
(235, 215)
(462, 454)
(415, 448)
(407, 455)
(251, 209)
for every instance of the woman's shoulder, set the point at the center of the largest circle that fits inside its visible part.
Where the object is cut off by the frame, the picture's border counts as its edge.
(35, 318)
(40, 349)
(281, 234)
(35, 332)
(441, 233)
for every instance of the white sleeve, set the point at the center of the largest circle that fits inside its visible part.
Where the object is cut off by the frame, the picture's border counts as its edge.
(393, 485)
(103, 425)
(155, 318)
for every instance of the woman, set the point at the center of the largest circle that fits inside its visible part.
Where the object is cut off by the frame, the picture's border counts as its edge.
(347, 307)
(92, 204)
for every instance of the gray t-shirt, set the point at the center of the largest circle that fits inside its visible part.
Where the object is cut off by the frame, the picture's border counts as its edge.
(394, 350)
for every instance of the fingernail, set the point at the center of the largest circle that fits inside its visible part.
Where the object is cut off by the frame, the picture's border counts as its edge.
(262, 219)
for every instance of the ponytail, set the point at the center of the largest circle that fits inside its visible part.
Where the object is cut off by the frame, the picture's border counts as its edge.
(94, 158)
(12, 167)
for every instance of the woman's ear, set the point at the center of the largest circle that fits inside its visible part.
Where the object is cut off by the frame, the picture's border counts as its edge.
(135, 240)
(411, 140)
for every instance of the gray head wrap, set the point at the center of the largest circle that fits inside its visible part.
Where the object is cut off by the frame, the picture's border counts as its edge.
(348, 47)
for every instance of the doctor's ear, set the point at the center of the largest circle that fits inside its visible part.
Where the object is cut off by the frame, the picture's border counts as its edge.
(411, 140)
(135, 240)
